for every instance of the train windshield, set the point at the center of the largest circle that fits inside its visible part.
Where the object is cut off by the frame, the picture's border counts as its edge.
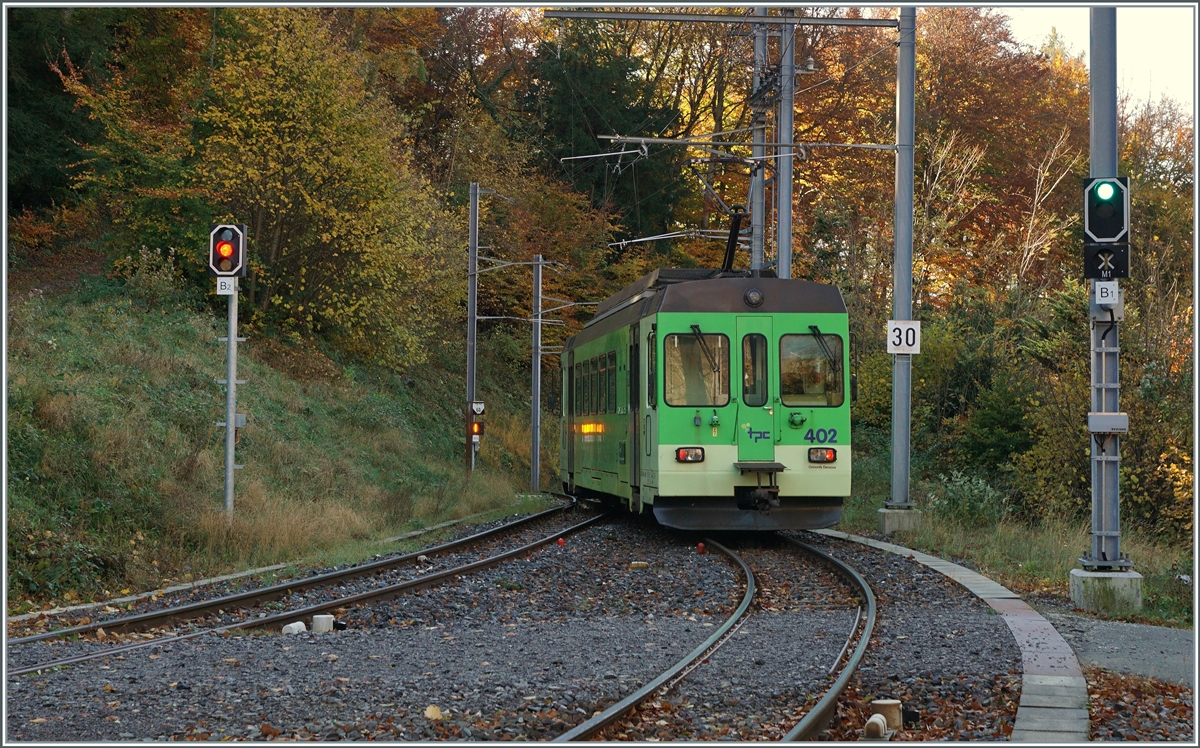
(810, 370)
(696, 369)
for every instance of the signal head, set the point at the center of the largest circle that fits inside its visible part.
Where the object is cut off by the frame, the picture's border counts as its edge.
(1106, 210)
(227, 250)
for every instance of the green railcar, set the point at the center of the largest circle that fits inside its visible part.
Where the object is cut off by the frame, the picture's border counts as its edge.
(715, 399)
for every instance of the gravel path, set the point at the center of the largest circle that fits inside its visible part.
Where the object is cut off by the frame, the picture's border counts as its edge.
(940, 650)
(1131, 648)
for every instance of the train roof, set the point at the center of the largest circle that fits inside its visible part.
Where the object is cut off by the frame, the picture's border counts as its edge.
(706, 290)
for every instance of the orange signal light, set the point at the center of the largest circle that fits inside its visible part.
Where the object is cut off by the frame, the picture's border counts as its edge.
(225, 249)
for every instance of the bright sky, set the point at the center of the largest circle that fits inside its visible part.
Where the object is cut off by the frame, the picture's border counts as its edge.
(1156, 45)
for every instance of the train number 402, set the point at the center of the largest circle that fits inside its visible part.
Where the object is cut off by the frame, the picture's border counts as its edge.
(821, 436)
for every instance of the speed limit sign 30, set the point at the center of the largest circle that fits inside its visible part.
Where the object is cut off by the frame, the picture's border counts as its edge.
(903, 336)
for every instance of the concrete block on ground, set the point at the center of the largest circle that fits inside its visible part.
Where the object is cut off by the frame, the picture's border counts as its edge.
(890, 709)
(322, 624)
(1106, 591)
(896, 520)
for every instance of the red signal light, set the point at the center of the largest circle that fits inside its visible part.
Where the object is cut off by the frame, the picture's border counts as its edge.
(227, 250)
(822, 454)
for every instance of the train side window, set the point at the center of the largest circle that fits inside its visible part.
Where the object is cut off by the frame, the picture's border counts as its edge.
(592, 381)
(754, 370)
(810, 370)
(612, 381)
(576, 382)
(651, 378)
(603, 385)
(696, 369)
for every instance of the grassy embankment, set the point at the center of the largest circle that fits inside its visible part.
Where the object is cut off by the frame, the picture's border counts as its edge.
(1027, 559)
(116, 466)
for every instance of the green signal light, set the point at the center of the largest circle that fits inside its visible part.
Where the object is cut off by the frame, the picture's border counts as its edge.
(1105, 191)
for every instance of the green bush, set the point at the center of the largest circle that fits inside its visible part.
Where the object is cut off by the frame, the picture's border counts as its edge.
(967, 498)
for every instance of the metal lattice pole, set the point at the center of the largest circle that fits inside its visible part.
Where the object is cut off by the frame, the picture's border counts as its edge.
(1106, 388)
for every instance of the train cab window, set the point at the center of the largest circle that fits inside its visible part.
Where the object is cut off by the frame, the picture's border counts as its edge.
(810, 370)
(651, 372)
(696, 369)
(602, 398)
(754, 370)
(612, 381)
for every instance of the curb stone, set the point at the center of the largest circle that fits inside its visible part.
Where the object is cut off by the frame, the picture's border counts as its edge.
(1053, 706)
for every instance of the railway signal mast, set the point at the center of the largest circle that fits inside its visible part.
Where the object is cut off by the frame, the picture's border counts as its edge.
(227, 261)
(1107, 581)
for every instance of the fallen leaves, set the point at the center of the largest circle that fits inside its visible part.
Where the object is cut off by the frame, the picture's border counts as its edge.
(1128, 707)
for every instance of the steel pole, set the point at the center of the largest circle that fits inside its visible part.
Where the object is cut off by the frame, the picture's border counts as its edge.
(758, 201)
(1105, 448)
(535, 446)
(231, 400)
(906, 78)
(783, 178)
(472, 291)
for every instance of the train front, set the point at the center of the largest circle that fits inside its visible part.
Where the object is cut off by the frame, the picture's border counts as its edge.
(753, 416)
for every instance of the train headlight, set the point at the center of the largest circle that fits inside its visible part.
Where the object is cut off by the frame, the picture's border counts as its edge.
(689, 454)
(822, 454)
(753, 298)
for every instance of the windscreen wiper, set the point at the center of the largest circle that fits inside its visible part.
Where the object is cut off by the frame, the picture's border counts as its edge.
(834, 363)
(712, 360)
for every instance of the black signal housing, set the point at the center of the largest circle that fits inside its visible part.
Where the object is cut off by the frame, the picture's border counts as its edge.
(227, 250)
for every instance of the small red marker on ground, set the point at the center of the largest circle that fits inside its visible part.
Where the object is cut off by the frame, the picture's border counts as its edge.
(699, 547)
(562, 541)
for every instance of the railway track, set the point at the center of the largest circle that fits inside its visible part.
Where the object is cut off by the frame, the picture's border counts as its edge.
(608, 723)
(241, 606)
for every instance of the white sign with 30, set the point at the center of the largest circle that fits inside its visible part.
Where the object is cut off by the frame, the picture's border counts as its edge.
(904, 336)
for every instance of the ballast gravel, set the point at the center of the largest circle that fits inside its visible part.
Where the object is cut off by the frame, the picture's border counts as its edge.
(532, 647)
(102, 613)
(525, 649)
(760, 682)
(942, 651)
